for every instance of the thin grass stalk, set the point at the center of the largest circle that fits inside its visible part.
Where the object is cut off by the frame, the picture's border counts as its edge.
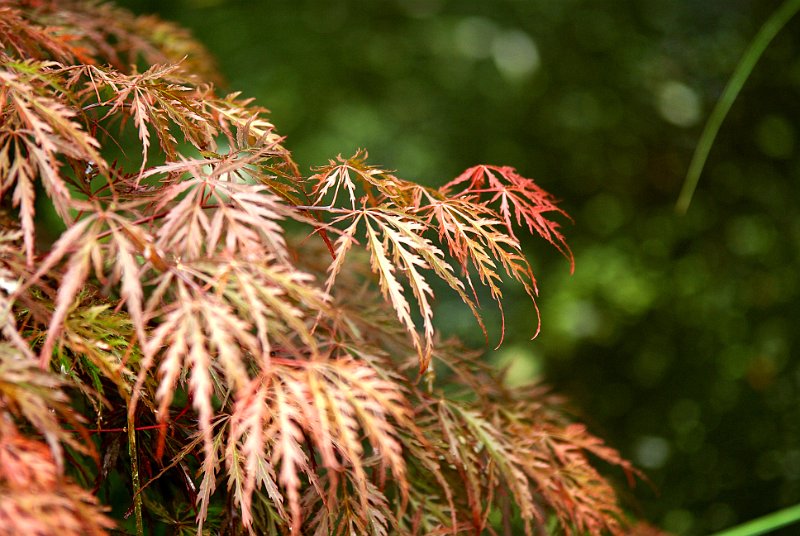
(765, 524)
(760, 42)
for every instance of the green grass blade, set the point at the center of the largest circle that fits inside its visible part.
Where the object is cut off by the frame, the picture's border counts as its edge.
(760, 42)
(766, 524)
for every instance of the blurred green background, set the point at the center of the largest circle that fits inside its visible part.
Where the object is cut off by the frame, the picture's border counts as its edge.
(677, 336)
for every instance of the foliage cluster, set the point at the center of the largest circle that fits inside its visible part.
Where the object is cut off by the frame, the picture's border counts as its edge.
(675, 333)
(242, 347)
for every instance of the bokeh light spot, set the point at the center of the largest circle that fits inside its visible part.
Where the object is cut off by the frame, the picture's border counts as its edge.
(604, 214)
(749, 236)
(678, 104)
(474, 37)
(515, 54)
(652, 452)
(775, 137)
(578, 318)
(521, 364)
(678, 521)
(685, 415)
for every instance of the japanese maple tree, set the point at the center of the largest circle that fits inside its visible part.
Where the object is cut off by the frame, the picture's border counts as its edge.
(233, 346)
